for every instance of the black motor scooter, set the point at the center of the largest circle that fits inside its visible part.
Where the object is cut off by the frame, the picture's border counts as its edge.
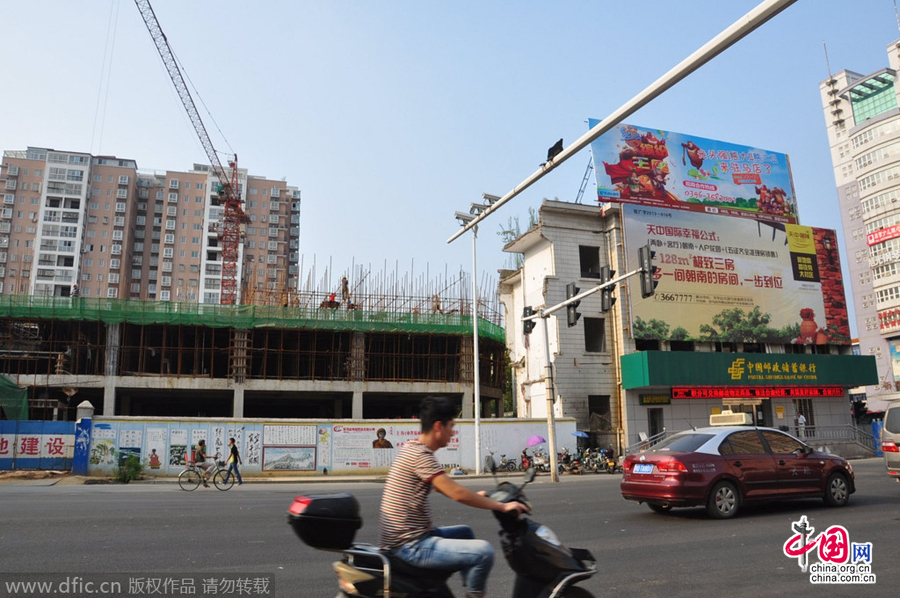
(544, 567)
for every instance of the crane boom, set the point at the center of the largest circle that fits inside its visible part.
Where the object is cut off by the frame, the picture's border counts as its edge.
(233, 214)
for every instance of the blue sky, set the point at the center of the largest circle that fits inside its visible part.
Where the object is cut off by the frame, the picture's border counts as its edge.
(391, 115)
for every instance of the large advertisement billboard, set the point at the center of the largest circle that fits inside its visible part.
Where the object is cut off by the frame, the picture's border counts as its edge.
(659, 168)
(734, 280)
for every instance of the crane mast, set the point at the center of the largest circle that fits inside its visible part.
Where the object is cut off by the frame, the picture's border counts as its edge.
(228, 191)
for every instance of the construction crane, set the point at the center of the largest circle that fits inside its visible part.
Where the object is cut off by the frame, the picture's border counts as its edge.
(228, 188)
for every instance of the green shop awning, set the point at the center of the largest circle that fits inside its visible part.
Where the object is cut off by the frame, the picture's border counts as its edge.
(687, 368)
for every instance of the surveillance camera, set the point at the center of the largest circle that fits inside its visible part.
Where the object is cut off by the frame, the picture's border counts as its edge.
(490, 199)
(477, 209)
(464, 218)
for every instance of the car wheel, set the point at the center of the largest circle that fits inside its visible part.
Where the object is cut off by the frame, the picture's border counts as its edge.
(724, 501)
(662, 509)
(837, 491)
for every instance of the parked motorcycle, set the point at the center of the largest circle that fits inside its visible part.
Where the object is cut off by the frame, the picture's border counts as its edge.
(540, 462)
(569, 463)
(525, 460)
(507, 464)
(608, 461)
(591, 459)
(543, 566)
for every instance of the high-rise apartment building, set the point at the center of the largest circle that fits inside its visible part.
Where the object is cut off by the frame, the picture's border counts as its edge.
(863, 121)
(96, 223)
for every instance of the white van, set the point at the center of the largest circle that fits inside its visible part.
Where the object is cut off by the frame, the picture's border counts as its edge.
(890, 440)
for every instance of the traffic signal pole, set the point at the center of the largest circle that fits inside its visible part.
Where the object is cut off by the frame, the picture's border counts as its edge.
(544, 314)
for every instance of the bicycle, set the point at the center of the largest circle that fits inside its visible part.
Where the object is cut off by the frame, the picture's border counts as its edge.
(190, 478)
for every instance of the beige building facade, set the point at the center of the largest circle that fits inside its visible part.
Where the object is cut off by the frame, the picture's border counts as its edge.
(863, 123)
(96, 225)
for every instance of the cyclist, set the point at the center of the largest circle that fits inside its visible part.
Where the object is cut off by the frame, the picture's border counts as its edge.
(200, 459)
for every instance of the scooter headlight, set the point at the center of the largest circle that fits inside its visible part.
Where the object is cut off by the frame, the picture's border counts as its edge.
(547, 535)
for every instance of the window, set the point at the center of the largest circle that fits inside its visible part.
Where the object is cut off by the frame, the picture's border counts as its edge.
(589, 257)
(742, 443)
(601, 416)
(781, 444)
(594, 335)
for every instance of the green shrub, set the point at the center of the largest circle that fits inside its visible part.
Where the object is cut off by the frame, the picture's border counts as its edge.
(129, 468)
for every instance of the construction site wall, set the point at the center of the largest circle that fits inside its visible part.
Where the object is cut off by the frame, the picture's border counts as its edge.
(303, 447)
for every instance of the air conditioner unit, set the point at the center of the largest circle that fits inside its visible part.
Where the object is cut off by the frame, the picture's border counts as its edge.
(729, 418)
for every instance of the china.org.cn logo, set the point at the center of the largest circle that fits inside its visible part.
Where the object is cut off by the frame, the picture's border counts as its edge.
(840, 561)
(737, 368)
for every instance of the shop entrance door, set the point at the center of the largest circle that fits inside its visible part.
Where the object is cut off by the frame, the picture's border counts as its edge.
(655, 420)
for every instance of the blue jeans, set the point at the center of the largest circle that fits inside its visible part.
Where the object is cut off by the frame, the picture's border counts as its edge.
(233, 466)
(453, 547)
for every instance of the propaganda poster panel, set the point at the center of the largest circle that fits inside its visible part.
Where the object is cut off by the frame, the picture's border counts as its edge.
(734, 280)
(659, 168)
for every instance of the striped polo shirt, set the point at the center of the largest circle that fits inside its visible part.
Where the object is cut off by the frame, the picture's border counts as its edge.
(405, 510)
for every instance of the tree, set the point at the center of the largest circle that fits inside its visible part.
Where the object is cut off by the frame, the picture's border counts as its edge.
(735, 326)
(679, 334)
(653, 330)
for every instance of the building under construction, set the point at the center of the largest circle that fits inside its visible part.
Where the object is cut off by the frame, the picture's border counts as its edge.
(366, 350)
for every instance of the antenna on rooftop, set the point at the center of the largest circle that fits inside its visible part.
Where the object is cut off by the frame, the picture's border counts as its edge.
(827, 63)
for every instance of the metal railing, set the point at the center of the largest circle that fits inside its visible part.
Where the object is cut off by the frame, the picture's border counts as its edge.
(819, 434)
(643, 445)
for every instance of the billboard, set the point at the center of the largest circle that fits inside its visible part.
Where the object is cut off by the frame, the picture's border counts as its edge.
(659, 168)
(735, 280)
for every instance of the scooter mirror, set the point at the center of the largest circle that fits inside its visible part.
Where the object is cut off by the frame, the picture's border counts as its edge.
(490, 464)
(529, 475)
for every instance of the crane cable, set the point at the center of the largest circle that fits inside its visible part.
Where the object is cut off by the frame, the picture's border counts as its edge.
(111, 28)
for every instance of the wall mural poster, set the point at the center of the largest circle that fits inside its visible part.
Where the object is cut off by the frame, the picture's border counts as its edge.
(103, 446)
(369, 446)
(734, 280)
(219, 444)
(289, 458)
(325, 434)
(253, 450)
(289, 435)
(659, 168)
(178, 446)
(130, 443)
(156, 449)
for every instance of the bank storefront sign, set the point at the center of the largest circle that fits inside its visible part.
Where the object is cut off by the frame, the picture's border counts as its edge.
(690, 369)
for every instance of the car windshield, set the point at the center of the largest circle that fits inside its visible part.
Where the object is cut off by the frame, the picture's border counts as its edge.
(684, 443)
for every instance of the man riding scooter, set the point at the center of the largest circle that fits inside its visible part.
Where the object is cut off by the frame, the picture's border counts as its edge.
(406, 526)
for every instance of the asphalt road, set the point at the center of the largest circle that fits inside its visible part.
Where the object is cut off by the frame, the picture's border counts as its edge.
(160, 531)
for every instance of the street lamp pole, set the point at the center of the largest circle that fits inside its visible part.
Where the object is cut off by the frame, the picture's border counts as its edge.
(475, 359)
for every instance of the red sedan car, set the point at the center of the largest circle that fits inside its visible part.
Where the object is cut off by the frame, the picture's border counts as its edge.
(725, 467)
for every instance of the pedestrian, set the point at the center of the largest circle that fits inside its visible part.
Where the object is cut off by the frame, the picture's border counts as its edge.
(200, 459)
(234, 459)
(801, 425)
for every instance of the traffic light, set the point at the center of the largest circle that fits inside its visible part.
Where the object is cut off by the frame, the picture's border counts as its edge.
(648, 271)
(606, 298)
(528, 325)
(572, 315)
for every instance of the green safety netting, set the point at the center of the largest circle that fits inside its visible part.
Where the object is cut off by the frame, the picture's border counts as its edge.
(115, 311)
(13, 399)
